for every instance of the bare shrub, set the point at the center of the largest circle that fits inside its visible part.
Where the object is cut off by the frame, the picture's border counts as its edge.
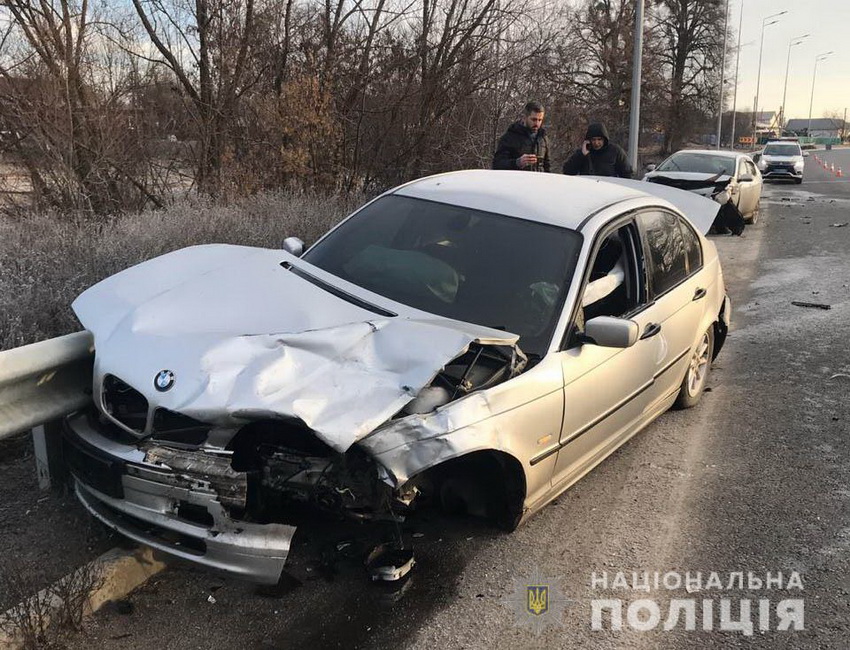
(46, 259)
(41, 615)
(29, 619)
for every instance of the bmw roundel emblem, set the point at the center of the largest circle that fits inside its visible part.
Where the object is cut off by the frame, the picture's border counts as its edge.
(163, 380)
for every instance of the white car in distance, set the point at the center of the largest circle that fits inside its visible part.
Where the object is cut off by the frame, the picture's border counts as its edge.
(710, 171)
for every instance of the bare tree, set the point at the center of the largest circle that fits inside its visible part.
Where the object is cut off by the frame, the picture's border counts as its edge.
(692, 41)
(64, 96)
(206, 45)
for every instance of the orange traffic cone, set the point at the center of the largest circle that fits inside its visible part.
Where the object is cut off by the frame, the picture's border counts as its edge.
(838, 173)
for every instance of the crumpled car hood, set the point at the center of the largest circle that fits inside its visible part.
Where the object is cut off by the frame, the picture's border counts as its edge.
(699, 210)
(248, 338)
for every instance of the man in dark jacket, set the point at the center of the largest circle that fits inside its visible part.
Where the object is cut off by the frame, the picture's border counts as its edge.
(524, 145)
(598, 156)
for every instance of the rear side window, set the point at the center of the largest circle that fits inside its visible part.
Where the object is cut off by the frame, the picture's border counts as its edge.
(667, 252)
(693, 250)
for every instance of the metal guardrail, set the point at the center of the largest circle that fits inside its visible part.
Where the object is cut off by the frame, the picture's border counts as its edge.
(44, 381)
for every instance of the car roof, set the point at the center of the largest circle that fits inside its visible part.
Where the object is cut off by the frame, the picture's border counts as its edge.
(547, 198)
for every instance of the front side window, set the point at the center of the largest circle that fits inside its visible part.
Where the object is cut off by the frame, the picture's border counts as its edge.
(613, 288)
(666, 250)
(478, 267)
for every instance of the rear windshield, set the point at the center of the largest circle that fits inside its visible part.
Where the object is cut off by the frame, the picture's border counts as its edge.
(782, 150)
(698, 162)
(478, 267)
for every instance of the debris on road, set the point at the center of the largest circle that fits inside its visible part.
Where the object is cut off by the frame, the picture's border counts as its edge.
(839, 225)
(810, 305)
(840, 374)
(211, 599)
(390, 562)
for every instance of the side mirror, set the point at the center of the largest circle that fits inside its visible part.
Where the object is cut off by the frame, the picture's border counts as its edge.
(651, 167)
(755, 157)
(610, 332)
(745, 178)
(294, 246)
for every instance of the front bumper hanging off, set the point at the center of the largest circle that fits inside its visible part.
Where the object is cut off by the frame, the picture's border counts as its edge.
(169, 510)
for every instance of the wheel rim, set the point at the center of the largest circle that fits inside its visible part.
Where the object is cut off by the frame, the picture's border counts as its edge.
(698, 369)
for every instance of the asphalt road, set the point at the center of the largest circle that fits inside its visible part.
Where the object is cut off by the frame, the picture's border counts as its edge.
(755, 479)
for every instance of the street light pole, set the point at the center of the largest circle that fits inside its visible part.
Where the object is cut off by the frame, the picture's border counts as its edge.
(764, 24)
(737, 62)
(794, 41)
(722, 73)
(819, 57)
(637, 60)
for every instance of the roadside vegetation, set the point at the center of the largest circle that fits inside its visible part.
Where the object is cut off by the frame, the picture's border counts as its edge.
(48, 259)
(131, 129)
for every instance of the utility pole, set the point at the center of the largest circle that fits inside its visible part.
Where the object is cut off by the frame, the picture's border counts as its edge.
(722, 75)
(794, 41)
(764, 24)
(634, 117)
(819, 57)
(737, 63)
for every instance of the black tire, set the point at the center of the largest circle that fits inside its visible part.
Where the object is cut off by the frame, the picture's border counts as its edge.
(696, 376)
(798, 180)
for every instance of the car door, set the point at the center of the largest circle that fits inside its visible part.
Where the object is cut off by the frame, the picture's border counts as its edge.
(738, 197)
(743, 188)
(677, 291)
(606, 390)
(756, 185)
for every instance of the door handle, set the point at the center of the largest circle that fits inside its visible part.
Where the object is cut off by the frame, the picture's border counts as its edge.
(651, 330)
(699, 294)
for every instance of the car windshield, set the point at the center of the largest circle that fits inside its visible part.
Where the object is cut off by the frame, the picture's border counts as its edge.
(478, 267)
(782, 150)
(698, 162)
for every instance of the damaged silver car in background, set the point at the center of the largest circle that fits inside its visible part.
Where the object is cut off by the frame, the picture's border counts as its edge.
(476, 340)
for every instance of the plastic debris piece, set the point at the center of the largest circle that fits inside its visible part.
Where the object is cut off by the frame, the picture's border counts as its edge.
(211, 599)
(839, 225)
(389, 562)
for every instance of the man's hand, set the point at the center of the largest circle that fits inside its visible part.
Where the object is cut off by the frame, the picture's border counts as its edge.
(526, 160)
(585, 147)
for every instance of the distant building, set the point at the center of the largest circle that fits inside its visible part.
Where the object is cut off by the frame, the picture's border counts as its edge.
(822, 127)
(766, 121)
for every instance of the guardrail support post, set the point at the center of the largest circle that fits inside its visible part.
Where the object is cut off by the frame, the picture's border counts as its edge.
(49, 463)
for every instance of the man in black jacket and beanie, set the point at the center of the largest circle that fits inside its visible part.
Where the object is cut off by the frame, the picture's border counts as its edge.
(598, 156)
(524, 145)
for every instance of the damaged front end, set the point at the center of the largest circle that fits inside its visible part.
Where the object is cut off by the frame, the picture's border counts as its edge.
(230, 497)
(729, 219)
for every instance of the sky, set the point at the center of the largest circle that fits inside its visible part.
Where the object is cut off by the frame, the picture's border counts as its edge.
(828, 22)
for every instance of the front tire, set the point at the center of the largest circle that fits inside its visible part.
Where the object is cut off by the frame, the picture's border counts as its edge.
(798, 181)
(696, 376)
